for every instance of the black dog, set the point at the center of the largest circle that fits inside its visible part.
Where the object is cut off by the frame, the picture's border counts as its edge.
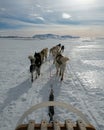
(38, 63)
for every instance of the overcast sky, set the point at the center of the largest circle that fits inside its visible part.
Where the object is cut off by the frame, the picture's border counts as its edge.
(21, 14)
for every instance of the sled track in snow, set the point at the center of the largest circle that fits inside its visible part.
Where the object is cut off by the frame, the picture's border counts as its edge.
(78, 84)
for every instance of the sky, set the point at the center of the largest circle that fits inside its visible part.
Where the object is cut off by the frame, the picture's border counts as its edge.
(51, 15)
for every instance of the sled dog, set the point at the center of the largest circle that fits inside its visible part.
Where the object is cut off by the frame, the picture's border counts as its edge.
(44, 54)
(35, 64)
(60, 63)
(38, 63)
(54, 50)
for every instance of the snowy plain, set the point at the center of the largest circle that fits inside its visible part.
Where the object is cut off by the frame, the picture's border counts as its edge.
(82, 87)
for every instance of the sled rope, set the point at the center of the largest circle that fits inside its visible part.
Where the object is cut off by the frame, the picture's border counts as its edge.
(69, 107)
(51, 108)
(51, 84)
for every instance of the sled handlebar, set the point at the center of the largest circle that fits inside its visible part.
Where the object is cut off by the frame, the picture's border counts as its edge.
(69, 107)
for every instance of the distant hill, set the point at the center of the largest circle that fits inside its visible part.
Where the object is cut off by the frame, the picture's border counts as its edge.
(14, 37)
(53, 36)
(42, 36)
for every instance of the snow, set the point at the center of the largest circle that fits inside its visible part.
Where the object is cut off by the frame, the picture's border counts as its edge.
(82, 86)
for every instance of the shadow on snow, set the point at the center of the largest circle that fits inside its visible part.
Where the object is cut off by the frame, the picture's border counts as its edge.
(14, 93)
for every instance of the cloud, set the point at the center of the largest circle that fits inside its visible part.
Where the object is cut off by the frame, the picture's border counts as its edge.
(7, 23)
(40, 18)
(2, 9)
(50, 12)
(37, 5)
(66, 16)
(33, 15)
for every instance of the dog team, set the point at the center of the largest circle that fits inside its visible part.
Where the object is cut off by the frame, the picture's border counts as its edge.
(40, 57)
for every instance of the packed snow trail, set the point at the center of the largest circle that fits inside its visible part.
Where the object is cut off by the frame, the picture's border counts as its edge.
(78, 86)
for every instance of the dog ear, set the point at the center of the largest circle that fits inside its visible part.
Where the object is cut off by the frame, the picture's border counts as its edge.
(34, 54)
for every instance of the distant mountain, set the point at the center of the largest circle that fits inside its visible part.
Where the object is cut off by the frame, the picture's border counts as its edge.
(53, 36)
(42, 36)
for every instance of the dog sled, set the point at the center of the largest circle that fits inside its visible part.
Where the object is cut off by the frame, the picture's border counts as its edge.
(81, 124)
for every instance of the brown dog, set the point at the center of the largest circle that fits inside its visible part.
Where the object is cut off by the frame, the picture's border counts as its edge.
(60, 63)
(44, 54)
(54, 50)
